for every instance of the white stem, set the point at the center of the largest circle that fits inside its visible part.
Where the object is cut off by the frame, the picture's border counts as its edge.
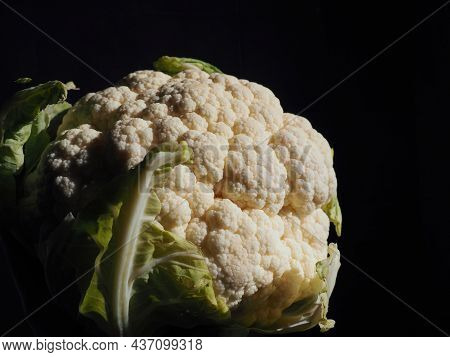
(131, 220)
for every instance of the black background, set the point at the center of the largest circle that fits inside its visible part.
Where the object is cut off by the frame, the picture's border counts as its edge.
(387, 124)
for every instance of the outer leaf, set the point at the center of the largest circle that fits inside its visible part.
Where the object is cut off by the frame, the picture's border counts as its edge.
(96, 222)
(26, 104)
(11, 150)
(93, 301)
(327, 270)
(333, 211)
(69, 256)
(173, 65)
(16, 123)
(175, 286)
(23, 80)
(39, 137)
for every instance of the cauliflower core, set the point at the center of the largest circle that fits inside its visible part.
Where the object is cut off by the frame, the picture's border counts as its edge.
(252, 196)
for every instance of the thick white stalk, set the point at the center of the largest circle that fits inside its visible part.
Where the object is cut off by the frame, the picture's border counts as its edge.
(132, 218)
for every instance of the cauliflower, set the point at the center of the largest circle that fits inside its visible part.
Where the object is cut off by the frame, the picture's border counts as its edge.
(220, 203)
(97, 109)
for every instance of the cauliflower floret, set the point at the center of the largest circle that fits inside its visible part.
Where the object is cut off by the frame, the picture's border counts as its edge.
(183, 181)
(304, 243)
(310, 173)
(97, 109)
(297, 121)
(305, 251)
(72, 160)
(252, 128)
(275, 254)
(143, 81)
(253, 256)
(220, 104)
(196, 231)
(134, 109)
(208, 100)
(238, 89)
(175, 211)
(168, 129)
(221, 129)
(200, 199)
(254, 177)
(265, 107)
(232, 251)
(209, 152)
(195, 122)
(184, 96)
(315, 230)
(192, 73)
(131, 140)
(155, 111)
(183, 199)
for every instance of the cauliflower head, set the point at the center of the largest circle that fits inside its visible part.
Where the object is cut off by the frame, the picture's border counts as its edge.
(241, 192)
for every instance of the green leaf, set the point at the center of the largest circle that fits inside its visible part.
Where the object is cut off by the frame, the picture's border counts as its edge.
(333, 211)
(97, 222)
(39, 137)
(11, 150)
(328, 270)
(173, 65)
(27, 103)
(21, 119)
(23, 80)
(174, 286)
(93, 301)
